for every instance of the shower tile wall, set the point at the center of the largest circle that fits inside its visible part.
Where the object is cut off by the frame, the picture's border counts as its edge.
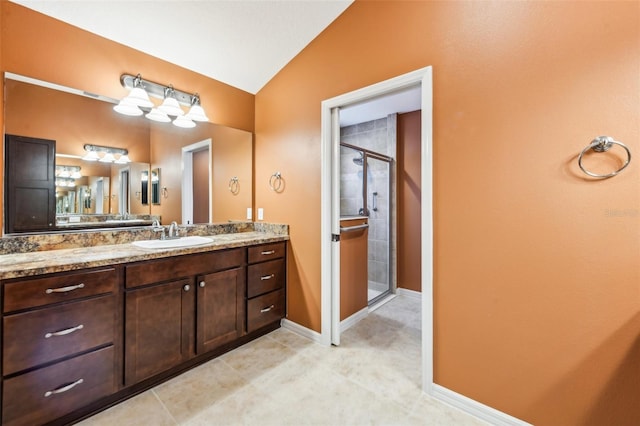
(378, 136)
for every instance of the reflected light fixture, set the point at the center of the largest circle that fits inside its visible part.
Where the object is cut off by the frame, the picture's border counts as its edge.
(68, 171)
(109, 154)
(138, 102)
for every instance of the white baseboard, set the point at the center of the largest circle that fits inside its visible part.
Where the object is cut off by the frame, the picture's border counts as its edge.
(353, 319)
(302, 331)
(409, 293)
(475, 408)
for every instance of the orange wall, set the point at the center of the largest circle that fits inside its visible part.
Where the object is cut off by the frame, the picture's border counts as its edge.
(409, 195)
(537, 294)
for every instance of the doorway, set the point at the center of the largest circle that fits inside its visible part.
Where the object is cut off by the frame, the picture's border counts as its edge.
(330, 241)
(123, 202)
(196, 183)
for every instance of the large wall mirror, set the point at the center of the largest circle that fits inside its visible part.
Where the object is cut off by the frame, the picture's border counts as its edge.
(103, 190)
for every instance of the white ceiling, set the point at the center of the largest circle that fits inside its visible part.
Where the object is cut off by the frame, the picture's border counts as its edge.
(243, 43)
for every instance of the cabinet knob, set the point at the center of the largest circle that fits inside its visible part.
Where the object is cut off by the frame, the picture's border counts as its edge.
(202, 284)
(187, 287)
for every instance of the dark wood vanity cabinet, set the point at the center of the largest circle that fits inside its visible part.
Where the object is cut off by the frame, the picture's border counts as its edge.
(59, 344)
(169, 321)
(266, 298)
(76, 342)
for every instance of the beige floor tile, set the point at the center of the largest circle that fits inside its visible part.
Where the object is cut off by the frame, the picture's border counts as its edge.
(194, 391)
(144, 409)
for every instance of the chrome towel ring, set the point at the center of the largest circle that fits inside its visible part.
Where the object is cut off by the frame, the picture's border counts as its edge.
(234, 185)
(275, 182)
(604, 144)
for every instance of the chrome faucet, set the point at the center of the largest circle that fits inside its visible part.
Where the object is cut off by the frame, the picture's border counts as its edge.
(155, 226)
(173, 230)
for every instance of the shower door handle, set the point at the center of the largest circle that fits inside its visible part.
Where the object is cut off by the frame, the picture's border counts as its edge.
(353, 228)
(374, 200)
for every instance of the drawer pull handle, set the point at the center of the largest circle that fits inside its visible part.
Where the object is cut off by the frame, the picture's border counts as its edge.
(267, 277)
(64, 289)
(63, 388)
(64, 332)
(263, 310)
(267, 252)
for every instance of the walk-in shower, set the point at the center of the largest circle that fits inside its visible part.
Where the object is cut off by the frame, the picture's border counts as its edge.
(365, 190)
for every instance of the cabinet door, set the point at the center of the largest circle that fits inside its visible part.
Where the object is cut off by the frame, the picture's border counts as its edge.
(221, 312)
(158, 328)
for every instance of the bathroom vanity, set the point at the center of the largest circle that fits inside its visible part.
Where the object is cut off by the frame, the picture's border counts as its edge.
(87, 327)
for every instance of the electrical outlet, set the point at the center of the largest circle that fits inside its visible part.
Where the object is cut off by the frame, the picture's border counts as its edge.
(260, 214)
(249, 213)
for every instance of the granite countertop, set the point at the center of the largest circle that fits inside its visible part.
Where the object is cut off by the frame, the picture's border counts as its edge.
(43, 262)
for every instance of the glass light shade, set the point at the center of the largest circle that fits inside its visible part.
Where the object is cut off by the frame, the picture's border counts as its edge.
(108, 158)
(126, 107)
(64, 173)
(184, 122)
(124, 159)
(138, 96)
(196, 113)
(157, 115)
(170, 106)
(91, 156)
(76, 175)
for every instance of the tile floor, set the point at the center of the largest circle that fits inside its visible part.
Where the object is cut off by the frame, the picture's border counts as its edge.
(373, 377)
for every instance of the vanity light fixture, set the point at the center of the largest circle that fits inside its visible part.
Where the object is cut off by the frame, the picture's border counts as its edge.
(196, 113)
(68, 182)
(170, 107)
(108, 154)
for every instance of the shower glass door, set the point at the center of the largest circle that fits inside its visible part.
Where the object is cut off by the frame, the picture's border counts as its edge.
(351, 182)
(370, 197)
(378, 205)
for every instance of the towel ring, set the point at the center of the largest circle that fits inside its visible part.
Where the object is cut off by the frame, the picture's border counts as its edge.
(604, 144)
(275, 182)
(234, 185)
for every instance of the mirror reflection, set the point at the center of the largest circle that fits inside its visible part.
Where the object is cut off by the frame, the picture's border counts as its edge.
(155, 186)
(105, 192)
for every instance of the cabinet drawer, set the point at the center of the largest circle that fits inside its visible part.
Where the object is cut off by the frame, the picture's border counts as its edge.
(45, 394)
(265, 309)
(266, 252)
(36, 337)
(30, 293)
(155, 271)
(265, 277)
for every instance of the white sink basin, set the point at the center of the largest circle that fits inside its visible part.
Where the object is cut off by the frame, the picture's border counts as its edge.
(175, 243)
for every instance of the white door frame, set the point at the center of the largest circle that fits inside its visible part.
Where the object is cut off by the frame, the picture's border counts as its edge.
(187, 179)
(330, 214)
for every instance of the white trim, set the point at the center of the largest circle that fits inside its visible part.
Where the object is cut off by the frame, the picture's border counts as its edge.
(475, 408)
(349, 322)
(408, 293)
(302, 331)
